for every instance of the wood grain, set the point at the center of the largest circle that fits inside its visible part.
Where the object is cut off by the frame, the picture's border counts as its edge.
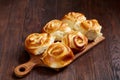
(19, 18)
(25, 68)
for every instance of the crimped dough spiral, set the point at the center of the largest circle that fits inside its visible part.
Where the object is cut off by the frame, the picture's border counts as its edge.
(90, 28)
(37, 43)
(74, 19)
(57, 28)
(75, 40)
(58, 55)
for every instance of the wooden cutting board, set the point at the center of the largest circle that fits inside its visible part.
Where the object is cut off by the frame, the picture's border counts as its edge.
(23, 69)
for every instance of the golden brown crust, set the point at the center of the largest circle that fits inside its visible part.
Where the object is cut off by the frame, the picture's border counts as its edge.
(52, 26)
(36, 43)
(57, 28)
(74, 19)
(78, 22)
(58, 55)
(91, 25)
(75, 40)
(91, 28)
(75, 16)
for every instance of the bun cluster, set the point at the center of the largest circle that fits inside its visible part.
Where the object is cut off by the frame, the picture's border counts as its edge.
(59, 38)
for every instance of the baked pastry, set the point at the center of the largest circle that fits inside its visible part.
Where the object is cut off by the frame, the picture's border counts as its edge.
(90, 28)
(57, 55)
(74, 19)
(56, 28)
(77, 21)
(75, 40)
(37, 43)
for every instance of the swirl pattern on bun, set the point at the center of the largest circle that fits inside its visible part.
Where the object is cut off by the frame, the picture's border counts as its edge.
(91, 29)
(74, 19)
(37, 43)
(58, 55)
(57, 28)
(75, 40)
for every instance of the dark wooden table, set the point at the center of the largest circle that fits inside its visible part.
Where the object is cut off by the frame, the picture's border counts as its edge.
(19, 18)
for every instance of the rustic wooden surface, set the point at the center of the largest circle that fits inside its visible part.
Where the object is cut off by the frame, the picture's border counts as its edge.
(19, 18)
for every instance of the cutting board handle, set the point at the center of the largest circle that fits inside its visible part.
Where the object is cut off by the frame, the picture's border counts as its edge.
(24, 69)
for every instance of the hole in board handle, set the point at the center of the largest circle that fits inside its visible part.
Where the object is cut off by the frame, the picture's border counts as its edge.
(22, 69)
